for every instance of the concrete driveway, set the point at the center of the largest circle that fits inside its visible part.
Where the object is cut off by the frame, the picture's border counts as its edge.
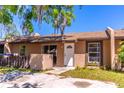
(52, 80)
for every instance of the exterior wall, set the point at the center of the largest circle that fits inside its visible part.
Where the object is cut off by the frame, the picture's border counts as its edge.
(80, 56)
(36, 48)
(106, 53)
(79, 60)
(15, 48)
(60, 54)
(117, 45)
(30, 48)
(80, 53)
(39, 62)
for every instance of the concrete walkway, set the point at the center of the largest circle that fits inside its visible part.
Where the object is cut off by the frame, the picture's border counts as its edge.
(59, 70)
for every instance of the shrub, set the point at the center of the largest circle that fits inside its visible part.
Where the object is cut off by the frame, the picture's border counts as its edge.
(77, 67)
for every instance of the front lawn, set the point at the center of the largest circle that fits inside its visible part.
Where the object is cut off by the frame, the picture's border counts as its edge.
(97, 74)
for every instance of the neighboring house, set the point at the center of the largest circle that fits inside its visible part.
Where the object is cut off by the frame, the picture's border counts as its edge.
(77, 49)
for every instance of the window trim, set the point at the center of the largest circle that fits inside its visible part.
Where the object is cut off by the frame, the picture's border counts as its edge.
(101, 46)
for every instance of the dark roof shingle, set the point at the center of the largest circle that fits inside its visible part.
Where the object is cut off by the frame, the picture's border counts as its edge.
(119, 34)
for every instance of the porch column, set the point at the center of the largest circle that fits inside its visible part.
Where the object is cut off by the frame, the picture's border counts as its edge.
(7, 48)
(112, 47)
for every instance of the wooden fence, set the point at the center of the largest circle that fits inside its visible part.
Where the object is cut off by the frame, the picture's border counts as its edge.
(15, 61)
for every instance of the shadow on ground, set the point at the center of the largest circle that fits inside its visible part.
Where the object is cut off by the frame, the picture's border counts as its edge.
(80, 84)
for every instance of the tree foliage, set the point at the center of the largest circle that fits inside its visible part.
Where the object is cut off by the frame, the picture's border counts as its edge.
(62, 16)
(6, 18)
(59, 16)
(11, 30)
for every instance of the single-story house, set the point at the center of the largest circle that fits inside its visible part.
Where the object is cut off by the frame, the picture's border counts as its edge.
(74, 49)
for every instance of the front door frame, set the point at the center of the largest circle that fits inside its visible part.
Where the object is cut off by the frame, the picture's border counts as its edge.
(65, 53)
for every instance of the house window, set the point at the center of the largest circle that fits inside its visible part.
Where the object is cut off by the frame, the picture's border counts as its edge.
(22, 50)
(69, 46)
(49, 49)
(94, 52)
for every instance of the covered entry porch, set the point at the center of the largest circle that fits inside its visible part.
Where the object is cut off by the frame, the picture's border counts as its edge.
(63, 53)
(56, 49)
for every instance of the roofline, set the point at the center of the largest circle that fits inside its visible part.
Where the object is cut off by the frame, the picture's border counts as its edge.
(121, 37)
(58, 38)
(93, 38)
(42, 41)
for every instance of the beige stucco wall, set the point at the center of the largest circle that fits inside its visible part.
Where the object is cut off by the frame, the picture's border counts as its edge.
(39, 62)
(79, 56)
(117, 45)
(36, 48)
(30, 48)
(106, 53)
(79, 60)
(15, 48)
(80, 51)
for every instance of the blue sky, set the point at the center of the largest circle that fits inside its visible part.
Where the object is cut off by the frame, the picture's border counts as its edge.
(90, 18)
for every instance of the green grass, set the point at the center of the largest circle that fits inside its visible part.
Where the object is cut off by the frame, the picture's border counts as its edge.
(97, 74)
(4, 70)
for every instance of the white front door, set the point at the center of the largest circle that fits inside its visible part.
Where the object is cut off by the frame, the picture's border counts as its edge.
(69, 54)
